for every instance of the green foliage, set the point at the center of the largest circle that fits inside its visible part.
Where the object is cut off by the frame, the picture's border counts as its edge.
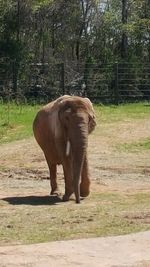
(40, 3)
(91, 23)
(51, 32)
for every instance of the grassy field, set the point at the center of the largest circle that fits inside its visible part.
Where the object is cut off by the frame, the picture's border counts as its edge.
(119, 202)
(16, 121)
(102, 214)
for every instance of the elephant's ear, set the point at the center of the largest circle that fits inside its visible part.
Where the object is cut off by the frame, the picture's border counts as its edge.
(59, 107)
(88, 101)
(89, 104)
(92, 124)
(91, 113)
(64, 111)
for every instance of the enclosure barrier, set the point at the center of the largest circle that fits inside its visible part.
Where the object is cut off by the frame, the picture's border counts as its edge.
(105, 83)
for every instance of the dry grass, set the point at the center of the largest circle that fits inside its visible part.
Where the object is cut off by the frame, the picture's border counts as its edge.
(39, 218)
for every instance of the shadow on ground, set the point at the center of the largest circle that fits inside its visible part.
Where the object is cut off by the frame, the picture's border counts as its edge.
(33, 200)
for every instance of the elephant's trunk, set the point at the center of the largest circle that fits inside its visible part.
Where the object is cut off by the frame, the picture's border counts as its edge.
(77, 167)
(78, 140)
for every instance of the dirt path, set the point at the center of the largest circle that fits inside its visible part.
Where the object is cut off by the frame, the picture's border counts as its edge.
(120, 251)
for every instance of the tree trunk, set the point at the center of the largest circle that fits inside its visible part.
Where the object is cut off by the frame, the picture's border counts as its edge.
(124, 42)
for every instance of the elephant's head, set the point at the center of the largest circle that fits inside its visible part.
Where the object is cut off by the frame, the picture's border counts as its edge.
(76, 111)
(77, 120)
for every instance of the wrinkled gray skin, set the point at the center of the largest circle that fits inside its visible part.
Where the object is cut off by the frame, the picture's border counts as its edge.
(61, 129)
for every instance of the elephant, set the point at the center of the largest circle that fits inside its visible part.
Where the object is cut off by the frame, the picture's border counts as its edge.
(61, 129)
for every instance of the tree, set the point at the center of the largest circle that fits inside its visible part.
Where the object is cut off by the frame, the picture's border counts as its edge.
(78, 33)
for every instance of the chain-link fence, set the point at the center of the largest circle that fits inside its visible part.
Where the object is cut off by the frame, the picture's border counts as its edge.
(111, 83)
(42, 82)
(31, 82)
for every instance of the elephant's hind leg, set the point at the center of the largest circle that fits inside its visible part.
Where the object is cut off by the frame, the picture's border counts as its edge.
(53, 179)
(53, 176)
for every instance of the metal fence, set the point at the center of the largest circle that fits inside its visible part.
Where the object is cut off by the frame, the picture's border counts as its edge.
(113, 83)
(31, 81)
(132, 83)
(41, 82)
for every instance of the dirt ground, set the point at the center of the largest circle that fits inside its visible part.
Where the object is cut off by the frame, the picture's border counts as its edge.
(120, 251)
(111, 169)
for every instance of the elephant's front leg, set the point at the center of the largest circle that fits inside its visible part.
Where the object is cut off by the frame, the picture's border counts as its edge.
(85, 179)
(68, 179)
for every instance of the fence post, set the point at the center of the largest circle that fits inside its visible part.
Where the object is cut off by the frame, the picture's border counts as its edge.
(63, 78)
(15, 76)
(116, 87)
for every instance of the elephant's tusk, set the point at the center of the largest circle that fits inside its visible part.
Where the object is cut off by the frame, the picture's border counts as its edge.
(68, 148)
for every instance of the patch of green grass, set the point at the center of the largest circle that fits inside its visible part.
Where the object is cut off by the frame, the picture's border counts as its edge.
(135, 146)
(111, 113)
(16, 121)
(102, 214)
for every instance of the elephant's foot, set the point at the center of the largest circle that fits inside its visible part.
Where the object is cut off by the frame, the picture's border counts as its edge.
(66, 196)
(85, 189)
(55, 192)
(84, 193)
